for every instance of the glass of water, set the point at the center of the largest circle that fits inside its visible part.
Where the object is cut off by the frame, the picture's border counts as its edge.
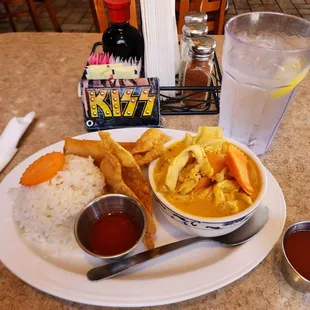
(265, 57)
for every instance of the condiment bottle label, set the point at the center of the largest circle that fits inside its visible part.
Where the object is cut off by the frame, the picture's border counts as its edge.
(120, 103)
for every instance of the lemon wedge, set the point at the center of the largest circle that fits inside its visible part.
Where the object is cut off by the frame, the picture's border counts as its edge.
(285, 90)
(291, 65)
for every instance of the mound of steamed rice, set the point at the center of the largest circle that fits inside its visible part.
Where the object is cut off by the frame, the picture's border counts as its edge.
(46, 212)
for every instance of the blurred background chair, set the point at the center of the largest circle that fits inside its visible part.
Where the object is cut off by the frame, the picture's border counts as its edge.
(214, 8)
(33, 10)
(100, 18)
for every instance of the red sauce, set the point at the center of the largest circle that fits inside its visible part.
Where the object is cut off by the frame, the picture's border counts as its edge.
(113, 233)
(297, 248)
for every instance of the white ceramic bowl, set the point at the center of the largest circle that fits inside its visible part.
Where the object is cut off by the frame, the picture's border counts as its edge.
(209, 226)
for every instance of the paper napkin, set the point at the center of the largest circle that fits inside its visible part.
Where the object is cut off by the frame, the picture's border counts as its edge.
(161, 57)
(10, 137)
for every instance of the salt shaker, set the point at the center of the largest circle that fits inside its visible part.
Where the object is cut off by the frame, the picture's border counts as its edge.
(198, 70)
(189, 30)
(194, 16)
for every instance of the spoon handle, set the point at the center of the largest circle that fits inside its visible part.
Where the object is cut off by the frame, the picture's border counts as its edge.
(112, 269)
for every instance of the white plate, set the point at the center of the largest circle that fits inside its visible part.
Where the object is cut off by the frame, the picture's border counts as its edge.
(187, 273)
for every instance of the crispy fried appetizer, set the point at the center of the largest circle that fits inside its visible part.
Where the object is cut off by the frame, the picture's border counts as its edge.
(148, 147)
(84, 148)
(128, 145)
(120, 164)
(150, 139)
(124, 176)
(128, 181)
(145, 158)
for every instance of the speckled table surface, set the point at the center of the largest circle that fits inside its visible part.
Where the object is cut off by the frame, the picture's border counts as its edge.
(40, 72)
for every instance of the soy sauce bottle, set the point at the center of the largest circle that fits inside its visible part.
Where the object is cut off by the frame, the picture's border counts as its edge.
(120, 38)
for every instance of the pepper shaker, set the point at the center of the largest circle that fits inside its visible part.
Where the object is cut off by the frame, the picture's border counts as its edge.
(198, 70)
(189, 30)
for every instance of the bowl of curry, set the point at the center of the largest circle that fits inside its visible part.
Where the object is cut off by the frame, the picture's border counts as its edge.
(206, 184)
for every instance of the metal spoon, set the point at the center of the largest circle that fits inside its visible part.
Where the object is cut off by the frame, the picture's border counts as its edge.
(237, 237)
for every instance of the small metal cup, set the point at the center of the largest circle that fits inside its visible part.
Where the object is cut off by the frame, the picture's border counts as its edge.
(105, 205)
(291, 275)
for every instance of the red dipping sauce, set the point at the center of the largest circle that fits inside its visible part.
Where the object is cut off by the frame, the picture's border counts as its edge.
(113, 234)
(297, 249)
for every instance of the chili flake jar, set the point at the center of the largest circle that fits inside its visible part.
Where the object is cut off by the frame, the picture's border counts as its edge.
(198, 70)
(189, 30)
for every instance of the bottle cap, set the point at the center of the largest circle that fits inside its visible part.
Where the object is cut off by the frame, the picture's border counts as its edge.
(202, 47)
(192, 29)
(194, 16)
(119, 10)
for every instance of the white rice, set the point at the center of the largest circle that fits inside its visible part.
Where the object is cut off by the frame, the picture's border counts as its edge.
(46, 212)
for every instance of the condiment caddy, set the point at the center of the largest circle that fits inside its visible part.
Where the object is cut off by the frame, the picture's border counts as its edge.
(117, 89)
(174, 104)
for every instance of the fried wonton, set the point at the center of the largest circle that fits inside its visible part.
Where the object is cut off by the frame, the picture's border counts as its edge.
(145, 158)
(126, 177)
(112, 146)
(119, 180)
(120, 164)
(128, 145)
(149, 139)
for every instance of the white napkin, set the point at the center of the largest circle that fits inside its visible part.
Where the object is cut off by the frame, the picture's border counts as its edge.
(10, 137)
(161, 55)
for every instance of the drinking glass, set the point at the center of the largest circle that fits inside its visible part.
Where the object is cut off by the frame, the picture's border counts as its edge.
(265, 57)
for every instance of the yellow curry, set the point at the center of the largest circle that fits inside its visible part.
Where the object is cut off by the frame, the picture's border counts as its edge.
(205, 175)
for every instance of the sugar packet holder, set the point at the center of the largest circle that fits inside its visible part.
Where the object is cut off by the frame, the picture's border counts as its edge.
(120, 103)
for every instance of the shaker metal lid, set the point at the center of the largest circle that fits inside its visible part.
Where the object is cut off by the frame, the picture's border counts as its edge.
(202, 46)
(192, 29)
(194, 16)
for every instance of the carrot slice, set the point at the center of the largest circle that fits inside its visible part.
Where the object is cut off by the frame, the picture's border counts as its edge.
(237, 163)
(43, 169)
(202, 183)
(217, 162)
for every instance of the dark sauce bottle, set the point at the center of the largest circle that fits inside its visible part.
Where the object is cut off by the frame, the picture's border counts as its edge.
(122, 39)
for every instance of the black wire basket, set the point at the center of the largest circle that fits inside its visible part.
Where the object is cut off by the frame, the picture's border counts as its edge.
(176, 104)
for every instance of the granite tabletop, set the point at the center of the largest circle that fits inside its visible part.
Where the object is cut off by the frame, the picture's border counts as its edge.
(40, 72)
